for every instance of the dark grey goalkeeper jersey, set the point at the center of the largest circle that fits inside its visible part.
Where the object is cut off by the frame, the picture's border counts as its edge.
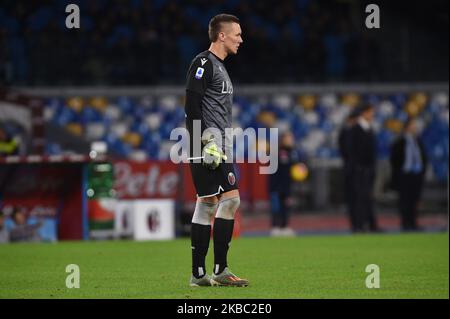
(209, 93)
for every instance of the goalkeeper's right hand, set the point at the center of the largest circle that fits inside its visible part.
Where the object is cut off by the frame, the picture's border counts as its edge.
(212, 155)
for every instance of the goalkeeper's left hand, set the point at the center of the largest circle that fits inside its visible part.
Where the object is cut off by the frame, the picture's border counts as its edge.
(212, 155)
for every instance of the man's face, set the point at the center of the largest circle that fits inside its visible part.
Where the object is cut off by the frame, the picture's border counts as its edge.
(412, 128)
(369, 114)
(232, 37)
(288, 140)
(20, 218)
(352, 121)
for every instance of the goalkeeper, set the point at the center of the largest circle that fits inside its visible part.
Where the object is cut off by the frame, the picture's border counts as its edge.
(209, 98)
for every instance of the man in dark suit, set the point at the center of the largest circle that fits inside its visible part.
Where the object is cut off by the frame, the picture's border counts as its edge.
(408, 162)
(363, 157)
(344, 141)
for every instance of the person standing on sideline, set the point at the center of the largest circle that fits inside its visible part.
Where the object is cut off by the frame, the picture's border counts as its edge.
(408, 162)
(345, 148)
(209, 100)
(363, 157)
(280, 186)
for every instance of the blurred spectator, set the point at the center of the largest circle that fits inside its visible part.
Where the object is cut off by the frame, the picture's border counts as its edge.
(280, 186)
(8, 145)
(4, 237)
(363, 157)
(408, 161)
(344, 141)
(22, 229)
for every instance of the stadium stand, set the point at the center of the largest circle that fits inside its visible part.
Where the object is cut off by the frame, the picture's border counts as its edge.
(141, 126)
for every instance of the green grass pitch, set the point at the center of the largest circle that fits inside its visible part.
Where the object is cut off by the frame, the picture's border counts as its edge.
(411, 266)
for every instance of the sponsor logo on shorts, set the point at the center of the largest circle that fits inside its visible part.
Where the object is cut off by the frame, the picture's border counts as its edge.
(231, 178)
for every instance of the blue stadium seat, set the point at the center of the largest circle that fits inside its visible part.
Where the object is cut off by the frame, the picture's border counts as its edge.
(139, 127)
(372, 98)
(89, 115)
(120, 148)
(126, 105)
(324, 152)
(66, 115)
(384, 140)
(326, 126)
(440, 170)
(398, 99)
(53, 149)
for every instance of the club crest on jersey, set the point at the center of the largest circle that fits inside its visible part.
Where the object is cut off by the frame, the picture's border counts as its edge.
(199, 73)
(231, 178)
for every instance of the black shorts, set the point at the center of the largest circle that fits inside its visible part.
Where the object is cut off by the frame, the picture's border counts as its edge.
(213, 182)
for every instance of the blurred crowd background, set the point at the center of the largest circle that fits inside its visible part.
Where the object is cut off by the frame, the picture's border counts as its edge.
(140, 126)
(140, 42)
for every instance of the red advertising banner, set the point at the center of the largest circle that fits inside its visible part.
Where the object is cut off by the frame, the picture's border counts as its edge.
(152, 179)
(155, 179)
(54, 188)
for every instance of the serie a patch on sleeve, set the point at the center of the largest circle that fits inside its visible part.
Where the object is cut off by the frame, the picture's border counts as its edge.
(199, 73)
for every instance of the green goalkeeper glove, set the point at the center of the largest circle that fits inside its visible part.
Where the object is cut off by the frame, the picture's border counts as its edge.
(212, 155)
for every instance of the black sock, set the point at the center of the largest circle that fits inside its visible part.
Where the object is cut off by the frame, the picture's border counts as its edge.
(200, 235)
(222, 233)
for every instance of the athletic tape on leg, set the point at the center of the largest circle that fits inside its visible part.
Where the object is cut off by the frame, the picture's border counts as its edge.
(203, 212)
(228, 207)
